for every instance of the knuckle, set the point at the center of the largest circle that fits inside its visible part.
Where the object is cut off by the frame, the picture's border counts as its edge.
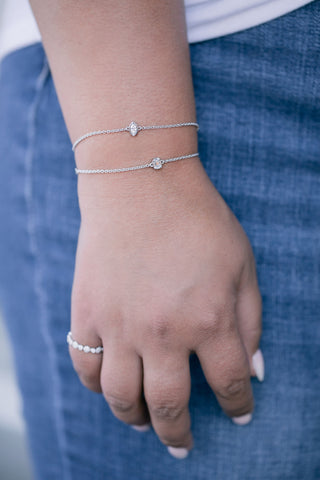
(207, 327)
(159, 326)
(119, 404)
(220, 321)
(234, 388)
(166, 410)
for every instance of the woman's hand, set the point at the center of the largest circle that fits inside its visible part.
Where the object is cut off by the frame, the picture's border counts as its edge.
(163, 269)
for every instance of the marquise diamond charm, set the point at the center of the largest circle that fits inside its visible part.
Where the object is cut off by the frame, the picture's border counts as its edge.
(156, 163)
(133, 129)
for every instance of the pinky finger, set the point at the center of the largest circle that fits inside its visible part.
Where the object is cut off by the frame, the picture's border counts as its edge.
(249, 314)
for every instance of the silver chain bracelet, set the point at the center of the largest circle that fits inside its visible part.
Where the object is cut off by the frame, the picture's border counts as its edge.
(133, 128)
(156, 164)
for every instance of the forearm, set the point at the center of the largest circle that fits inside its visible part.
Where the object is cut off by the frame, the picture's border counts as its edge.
(115, 61)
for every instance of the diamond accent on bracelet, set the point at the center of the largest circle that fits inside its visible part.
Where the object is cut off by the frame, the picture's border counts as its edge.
(133, 129)
(156, 163)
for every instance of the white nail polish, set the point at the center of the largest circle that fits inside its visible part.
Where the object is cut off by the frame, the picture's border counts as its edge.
(178, 452)
(142, 428)
(243, 419)
(258, 365)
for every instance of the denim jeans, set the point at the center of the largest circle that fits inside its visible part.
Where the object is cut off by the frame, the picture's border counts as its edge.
(258, 105)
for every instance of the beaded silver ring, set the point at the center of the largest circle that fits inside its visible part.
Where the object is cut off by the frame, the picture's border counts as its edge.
(82, 348)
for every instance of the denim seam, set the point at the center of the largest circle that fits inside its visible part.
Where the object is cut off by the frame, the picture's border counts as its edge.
(38, 272)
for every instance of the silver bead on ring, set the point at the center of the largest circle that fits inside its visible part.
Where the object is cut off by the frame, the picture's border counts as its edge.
(82, 348)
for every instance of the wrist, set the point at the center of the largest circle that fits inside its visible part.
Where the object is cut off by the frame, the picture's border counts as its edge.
(106, 152)
(145, 189)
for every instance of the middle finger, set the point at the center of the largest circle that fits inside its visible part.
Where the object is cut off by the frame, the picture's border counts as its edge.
(167, 385)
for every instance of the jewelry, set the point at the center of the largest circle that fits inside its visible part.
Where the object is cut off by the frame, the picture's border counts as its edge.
(156, 164)
(133, 128)
(82, 348)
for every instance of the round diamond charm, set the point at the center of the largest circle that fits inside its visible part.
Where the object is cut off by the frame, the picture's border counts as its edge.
(133, 129)
(156, 163)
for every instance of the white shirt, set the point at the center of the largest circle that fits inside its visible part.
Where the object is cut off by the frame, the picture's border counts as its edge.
(205, 19)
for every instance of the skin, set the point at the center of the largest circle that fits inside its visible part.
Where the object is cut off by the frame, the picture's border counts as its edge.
(163, 267)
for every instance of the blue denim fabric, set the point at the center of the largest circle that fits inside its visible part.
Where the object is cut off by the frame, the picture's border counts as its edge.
(258, 106)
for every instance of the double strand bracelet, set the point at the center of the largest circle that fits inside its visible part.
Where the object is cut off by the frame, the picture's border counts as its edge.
(156, 164)
(133, 129)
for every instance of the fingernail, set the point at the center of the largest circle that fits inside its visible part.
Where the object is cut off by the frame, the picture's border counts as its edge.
(258, 365)
(243, 419)
(178, 452)
(142, 428)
